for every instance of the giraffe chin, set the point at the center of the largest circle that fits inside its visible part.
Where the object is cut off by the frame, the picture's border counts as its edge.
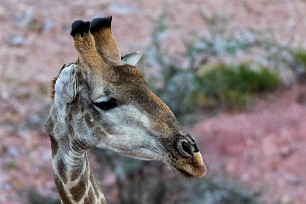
(191, 172)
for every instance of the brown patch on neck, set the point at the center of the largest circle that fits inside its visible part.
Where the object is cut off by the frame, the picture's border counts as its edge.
(61, 190)
(90, 197)
(54, 145)
(61, 168)
(79, 189)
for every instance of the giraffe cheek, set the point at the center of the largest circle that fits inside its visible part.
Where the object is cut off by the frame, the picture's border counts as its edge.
(89, 120)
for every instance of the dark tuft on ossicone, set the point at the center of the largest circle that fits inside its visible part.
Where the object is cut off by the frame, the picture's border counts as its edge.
(98, 23)
(79, 27)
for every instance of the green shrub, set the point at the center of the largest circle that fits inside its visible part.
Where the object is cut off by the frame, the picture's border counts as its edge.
(230, 86)
(299, 57)
(176, 79)
(267, 80)
(235, 100)
(299, 65)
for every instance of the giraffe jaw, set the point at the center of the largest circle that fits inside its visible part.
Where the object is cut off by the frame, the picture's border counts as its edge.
(197, 169)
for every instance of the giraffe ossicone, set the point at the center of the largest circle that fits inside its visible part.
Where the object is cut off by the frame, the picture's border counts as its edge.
(102, 101)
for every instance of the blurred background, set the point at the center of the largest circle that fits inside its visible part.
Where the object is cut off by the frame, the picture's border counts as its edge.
(233, 72)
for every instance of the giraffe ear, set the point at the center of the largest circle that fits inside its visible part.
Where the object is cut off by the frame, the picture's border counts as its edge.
(131, 58)
(66, 85)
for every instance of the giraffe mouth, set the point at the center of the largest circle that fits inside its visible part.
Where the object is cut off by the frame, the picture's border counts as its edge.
(183, 172)
(191, 172)
(195, 168)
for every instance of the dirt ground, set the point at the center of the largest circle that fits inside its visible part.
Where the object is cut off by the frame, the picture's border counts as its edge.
(264, 147)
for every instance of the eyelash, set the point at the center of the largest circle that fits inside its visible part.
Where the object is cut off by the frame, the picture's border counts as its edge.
(107, 105)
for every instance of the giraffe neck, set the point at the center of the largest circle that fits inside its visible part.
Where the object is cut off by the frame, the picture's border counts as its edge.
(73, 177)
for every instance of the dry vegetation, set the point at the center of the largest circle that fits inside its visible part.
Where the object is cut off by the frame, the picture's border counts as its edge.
(261, 148)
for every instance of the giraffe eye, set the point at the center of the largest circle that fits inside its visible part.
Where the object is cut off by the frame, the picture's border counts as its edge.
(107, 104)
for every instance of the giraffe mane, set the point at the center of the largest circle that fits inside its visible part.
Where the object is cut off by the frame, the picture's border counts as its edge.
(53, 81)
(52, 87)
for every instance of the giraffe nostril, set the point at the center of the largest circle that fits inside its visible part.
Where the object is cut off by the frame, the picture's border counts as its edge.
(185, 148)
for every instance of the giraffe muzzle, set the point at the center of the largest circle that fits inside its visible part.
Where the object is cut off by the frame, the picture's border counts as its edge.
(194, 165)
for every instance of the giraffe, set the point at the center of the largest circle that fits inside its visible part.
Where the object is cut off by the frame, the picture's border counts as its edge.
(102, 101)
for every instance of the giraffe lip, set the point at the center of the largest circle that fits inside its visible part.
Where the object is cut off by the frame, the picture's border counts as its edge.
(183, 172)
(195, 172)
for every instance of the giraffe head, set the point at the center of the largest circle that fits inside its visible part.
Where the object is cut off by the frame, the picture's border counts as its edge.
(103, 101)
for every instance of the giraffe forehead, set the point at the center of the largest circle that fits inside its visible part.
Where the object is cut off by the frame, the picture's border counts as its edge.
(121, 81)
(116, 75)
